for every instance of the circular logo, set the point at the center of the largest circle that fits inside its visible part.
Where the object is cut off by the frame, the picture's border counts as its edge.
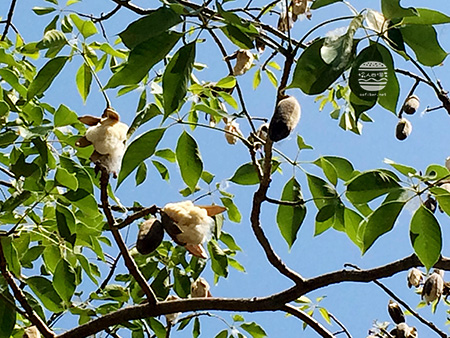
(372, 76)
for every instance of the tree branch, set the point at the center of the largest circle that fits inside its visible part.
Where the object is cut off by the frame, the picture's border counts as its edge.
(314, 324)
(20, 296)
(129, 262)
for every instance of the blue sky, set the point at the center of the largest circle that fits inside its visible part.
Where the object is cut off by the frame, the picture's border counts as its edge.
(356, 305)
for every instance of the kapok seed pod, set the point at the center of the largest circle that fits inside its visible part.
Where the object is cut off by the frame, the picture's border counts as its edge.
(430, 204)
(171, 228)
(396, 312)
(285, 119)
(150, 236)
(411, 104)
(403, 129)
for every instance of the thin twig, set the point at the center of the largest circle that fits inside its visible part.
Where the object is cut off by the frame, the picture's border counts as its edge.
(338, 322)
(129, 262)
(404, 304)
(110, 274)
(314, 324)
(289, 203)
(8, 20)
(21, 298)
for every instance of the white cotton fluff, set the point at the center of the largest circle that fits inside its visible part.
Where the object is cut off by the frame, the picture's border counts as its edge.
(192, 220)
(244, 61)
(414, 277)
(108, 137)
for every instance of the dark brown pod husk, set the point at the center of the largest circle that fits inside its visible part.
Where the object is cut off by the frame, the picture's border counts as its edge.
(150, 236)
(83, 142)
(411, 104)
(171, 228)
(396, 312)
(89, 120)
(403, 129)
(430, 204)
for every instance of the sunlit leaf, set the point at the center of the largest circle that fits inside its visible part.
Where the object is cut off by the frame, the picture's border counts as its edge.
(426, 236)
(45, 291)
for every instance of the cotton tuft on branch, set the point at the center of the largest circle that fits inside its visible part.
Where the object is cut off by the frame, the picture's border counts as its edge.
(108, 136)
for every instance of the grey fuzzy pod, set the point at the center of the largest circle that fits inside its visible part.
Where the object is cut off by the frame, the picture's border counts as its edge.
(285, 119)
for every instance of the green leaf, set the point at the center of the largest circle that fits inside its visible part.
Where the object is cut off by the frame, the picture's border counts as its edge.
(301, 143)
(321, 3)
(189, 160)
(290, 218)
(222, 334)
(436, 172)
(272, 78)
(142, 58)
(219, 260)
(141, 174)
(176, 77)
(64, 280)
(381, 221)
(84, 80)
(182, 283)
(86, 27)
(254, 330)
(166, 154)
(162, 169)
(64, 116)
(143, 116)
(66, 179)
(352, 220)
(232, 210)
(7, 314)
(196, 328)
(11, 255)
(392, 9)
(330, 216)
(322, 192)
(426, 236)
(257, 78)
(246, 174)
(45, 291)
(426, 46)
(312, 74)
(227, 82)
(43, 10)
(138, 151)
(65, 220)
(237, 36)
(45, 76)
(12, 79)
(426, 17)
(207, 177)
(371, 184)
(343, 167)
(149, 26)
(373, 62)
(401, 168)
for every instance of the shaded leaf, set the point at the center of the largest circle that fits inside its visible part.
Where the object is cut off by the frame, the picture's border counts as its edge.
(321, 3)
(143, 116)
(149, 26)
(64, 280)
(44, 290)
(142, 58)
(7, 314)
(371, 184)
(246, 174)
(176, 77)
(138, 151)
(425, 45)
(45, 76)
(189, 160)
(290, 218)
(381, 221)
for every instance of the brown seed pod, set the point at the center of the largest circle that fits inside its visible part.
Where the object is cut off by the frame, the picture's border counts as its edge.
(411, 104)
(150, 236)
(285, 119)
(433, 287)
(414, 277)
(395, 312)
(403, 129)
